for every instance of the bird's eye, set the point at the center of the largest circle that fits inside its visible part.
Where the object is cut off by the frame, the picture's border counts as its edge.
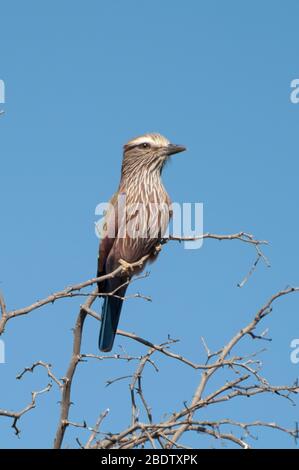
(145, 145)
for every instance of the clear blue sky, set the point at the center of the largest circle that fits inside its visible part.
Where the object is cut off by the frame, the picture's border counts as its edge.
(81, 79)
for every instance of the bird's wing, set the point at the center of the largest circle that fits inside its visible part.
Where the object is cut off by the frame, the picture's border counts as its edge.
(109, 235)
(107, 262)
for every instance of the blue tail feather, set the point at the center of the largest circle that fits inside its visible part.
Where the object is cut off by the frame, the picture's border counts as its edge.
(110, 318)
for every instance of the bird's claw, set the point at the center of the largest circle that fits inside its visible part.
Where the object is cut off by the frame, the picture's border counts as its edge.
(157, 249)
(125, 265)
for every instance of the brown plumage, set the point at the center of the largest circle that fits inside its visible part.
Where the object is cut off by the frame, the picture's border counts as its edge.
(137, 219)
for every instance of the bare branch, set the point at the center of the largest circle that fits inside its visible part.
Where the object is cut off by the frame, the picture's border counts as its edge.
(71, 291)
(67, 380)
(245, 376)
(96, 428)
(16, 415)
(45, 366)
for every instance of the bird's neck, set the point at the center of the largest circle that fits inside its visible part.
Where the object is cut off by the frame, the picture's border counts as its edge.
(142, 184)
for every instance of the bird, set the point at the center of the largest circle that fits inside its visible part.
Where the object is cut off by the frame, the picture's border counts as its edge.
(134, 224)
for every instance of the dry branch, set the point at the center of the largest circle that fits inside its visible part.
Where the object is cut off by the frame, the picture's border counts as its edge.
(248, 381)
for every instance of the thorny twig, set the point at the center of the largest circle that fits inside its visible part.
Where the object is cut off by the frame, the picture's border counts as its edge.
(16, 415)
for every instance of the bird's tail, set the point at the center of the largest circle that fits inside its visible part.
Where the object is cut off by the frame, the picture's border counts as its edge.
(110, 318)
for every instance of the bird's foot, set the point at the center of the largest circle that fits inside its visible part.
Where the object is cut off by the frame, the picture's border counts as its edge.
(125, 265)
(157, 249)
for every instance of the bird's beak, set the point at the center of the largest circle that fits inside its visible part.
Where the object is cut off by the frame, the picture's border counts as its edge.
(172, 148)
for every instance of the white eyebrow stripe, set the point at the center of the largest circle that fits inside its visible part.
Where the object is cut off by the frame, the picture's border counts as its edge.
(156, 140)
(142, 140)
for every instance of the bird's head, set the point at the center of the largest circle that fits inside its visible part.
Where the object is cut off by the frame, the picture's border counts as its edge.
(149, 151)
